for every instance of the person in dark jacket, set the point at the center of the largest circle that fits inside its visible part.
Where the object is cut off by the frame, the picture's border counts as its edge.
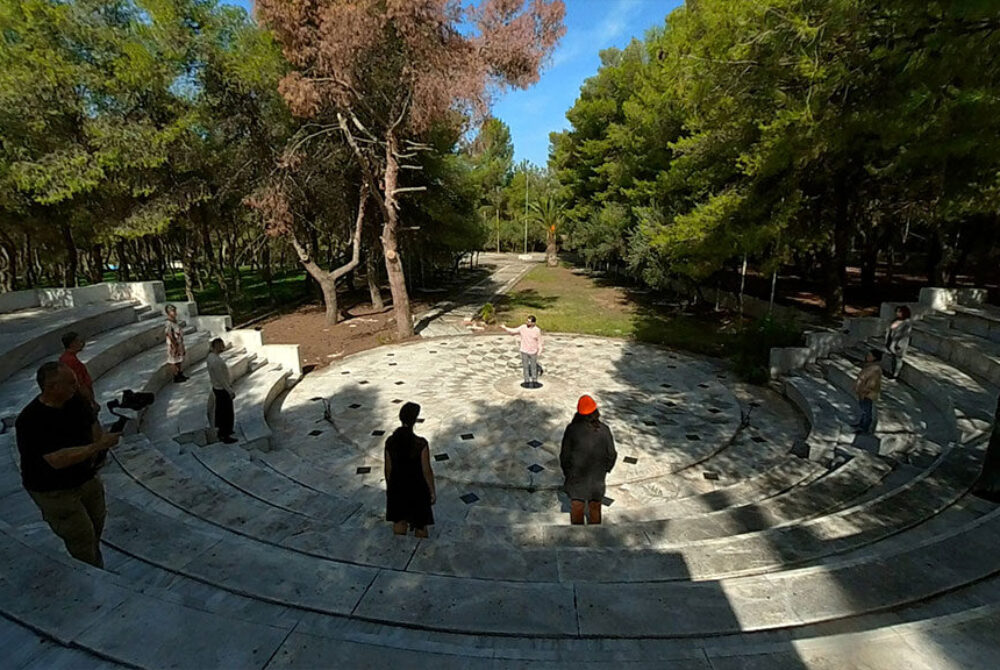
(587, 455)
(409, 480)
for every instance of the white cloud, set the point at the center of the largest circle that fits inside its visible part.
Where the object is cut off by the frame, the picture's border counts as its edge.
(613, 24)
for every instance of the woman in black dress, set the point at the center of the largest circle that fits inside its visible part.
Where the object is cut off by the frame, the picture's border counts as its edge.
(409, 480)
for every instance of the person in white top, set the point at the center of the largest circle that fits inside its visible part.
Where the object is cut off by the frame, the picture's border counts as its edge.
(222, 387)
(531, 349)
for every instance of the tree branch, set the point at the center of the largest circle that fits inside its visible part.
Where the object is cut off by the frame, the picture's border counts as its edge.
(356, 240)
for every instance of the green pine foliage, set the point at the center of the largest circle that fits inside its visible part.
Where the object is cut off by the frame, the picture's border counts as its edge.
(790, 132)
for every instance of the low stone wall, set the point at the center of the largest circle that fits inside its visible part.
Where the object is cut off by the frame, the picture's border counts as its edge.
(145, 293)
(821, 344)
(285, 355)
(17, 300)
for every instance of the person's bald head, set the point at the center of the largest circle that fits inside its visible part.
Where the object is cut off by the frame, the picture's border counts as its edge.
(56, 381)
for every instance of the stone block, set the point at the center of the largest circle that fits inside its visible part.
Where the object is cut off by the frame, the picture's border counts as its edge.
(972, 297)
(862, 328)
(143, 292)
(17, 300)
(216, 326)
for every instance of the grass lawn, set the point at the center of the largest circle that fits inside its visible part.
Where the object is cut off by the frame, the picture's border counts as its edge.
(253, 298)
(571, 302)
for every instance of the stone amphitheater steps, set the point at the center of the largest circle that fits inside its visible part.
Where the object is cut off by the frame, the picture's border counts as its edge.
(33, 334)
(180, 411)
(23, 648)
(100, 355)
(902, 416)
(338, 478)
(148, 371)
(77, 605)
(779, 575)
(254, 397)
(809, 539)
(332, 636)
(975, 355)
(969, 400)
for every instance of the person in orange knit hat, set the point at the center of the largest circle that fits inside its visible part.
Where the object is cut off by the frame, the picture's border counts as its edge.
(587, 456)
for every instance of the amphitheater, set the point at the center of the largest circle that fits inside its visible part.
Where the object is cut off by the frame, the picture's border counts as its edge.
(745, 527)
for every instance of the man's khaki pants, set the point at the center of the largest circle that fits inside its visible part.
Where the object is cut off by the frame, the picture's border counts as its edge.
(77, 517)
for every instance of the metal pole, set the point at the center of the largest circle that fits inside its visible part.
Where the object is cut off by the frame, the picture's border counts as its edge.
(774, 285)
(526, 175)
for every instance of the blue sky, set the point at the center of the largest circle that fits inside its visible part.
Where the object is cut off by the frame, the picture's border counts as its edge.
(591, 25)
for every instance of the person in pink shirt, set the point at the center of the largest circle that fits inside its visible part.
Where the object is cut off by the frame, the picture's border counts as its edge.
(531, 349)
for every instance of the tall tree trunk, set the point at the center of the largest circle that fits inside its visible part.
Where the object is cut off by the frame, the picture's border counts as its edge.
(214, 262)
(328, 280)
(123, 269)
(30, 276)
(390, 246)
(8, 275)
(266, 270)
(743, 282)
(372, 278)
(97, 264)
(8, 268)
(190, 271)
(72, 258)
(550, 248)
(869, 263)
(935, 258)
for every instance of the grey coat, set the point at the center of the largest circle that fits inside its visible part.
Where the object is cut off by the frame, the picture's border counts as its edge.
(587, 455)
(898, 339)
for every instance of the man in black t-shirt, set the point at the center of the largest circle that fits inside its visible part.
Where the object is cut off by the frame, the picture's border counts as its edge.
(59, 442)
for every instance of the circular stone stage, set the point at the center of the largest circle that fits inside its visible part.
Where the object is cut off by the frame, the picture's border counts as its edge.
(490, 436)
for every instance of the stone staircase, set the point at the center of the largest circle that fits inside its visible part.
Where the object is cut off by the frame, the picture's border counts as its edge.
(736, 554)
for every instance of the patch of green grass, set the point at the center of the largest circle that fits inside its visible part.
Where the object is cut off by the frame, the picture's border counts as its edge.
(251, 300)
(564, 301)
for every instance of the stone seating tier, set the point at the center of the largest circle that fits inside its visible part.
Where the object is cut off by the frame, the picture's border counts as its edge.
(745, 604)
(34, 334)
(280, 558)
(100, 355)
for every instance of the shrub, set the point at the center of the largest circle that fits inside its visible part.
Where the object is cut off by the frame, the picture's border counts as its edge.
(487, 313)
(754, 342)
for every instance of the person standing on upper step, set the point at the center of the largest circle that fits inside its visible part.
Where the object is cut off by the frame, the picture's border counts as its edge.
(868, 388)
(72, 346)
(531, 349)
(897, 339)
(587, 456)
(60, 444)
(175, 343)
(222, 389)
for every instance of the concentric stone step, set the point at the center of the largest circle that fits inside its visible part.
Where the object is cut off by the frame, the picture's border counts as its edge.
(32, 334)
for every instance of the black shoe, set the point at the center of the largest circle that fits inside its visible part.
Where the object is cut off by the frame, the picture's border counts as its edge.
(228, 440)
(536, 385)
(180, 379)
(526, 385)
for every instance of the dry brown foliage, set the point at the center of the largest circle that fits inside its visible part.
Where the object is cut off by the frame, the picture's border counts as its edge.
(406, 64)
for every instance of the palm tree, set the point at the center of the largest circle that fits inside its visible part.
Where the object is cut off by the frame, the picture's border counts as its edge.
(549, 212)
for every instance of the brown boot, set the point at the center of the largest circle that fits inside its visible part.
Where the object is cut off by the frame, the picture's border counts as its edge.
(594, 512)
(576, 512)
